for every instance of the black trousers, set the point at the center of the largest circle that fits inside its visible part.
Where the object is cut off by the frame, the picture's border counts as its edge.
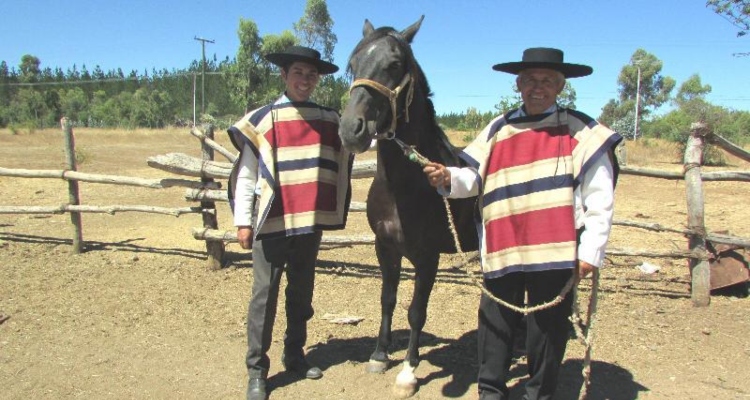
(271, 257)
(547, 333)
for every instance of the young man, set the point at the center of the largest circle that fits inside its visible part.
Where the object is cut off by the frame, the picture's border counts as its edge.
(293, 183)
(545, 178)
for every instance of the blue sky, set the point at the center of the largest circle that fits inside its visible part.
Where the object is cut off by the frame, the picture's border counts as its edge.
(457, 45)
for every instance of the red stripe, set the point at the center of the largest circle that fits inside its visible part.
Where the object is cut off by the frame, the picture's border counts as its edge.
(529, 146)
(531, 228)
(304, 133)
(304, 197)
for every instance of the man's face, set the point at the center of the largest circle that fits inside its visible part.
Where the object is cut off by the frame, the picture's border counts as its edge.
(539, 88)
(301, 79)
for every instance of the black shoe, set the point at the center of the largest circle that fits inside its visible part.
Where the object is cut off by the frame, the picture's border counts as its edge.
(299, 366)
(256, 389)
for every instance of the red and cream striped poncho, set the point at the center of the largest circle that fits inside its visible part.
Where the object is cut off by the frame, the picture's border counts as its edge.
(303, 170)
(529, 168)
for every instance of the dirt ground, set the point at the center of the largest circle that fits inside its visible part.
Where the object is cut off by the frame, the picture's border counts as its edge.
(138, 315)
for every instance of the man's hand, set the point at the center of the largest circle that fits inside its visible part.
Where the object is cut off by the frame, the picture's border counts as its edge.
(245, 237)
(437, 174)
(584, 269)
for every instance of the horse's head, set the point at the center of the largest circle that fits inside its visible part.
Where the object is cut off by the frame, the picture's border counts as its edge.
(384, 72)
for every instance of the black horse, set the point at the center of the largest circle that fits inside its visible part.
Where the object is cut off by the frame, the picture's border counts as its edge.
(390, 101)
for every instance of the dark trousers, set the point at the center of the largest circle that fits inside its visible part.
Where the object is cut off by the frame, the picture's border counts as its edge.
(297, 255)
(547, 333)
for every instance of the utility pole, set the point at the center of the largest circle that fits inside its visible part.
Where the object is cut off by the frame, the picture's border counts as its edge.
(637, 99)
(203, 72)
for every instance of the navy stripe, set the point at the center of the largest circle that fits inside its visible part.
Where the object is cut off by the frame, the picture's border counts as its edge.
(307, 163)
(259, 115)
(470, 161)
(588, 121)
(526, 188)
(608, 145)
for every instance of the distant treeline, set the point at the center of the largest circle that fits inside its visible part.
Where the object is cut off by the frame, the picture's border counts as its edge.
(31, 97)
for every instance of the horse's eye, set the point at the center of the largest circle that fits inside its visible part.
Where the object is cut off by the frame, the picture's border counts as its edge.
(394, 66)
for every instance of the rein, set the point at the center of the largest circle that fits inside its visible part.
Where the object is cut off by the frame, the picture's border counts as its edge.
(392, 96)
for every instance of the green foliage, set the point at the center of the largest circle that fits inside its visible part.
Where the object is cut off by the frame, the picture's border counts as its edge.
(508, 103)
(567, 98)
(315, 29)
(737, 12)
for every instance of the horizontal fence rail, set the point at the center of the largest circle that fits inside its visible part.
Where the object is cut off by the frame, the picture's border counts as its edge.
(207, 191)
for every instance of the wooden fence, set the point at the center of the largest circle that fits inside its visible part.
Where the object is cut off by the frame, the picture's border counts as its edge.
(207, 191)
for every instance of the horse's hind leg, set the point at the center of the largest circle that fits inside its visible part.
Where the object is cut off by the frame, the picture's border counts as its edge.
(390, 270)
(426, 270)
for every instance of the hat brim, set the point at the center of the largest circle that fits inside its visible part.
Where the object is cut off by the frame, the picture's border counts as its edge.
(568, 70)
(284, 59)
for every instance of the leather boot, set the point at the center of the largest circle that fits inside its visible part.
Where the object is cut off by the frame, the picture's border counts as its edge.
(298, 365)
(256, 386)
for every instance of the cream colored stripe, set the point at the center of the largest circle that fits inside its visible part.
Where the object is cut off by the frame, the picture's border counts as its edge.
(526, 255)
(529, 172)
(301, 220)
(304, 152)
(531, 202)
(249, 131)
(306, 113)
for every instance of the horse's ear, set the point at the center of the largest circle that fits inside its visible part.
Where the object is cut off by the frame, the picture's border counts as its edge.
(368, 28)
(411, 31)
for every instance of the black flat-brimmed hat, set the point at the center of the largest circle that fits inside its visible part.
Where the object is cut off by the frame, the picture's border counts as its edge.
(304, 54)
(544, 57)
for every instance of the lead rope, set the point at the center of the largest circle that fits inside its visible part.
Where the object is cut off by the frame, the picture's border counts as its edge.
(584, 333)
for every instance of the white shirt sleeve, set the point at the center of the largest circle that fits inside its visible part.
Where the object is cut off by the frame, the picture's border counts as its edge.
(594, 210)
(244, 192)
(464, 183)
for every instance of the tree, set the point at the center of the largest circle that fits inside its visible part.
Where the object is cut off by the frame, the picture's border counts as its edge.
(737, 12)
(74, 105)
(29, 67)
(692, 89)
(651, 91)
(567, 98)
(246, 62)
(315, 29)
(508, 103)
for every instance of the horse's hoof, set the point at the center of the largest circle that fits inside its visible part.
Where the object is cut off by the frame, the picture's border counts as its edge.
(376, 367)
(403, 391)
(406, 382)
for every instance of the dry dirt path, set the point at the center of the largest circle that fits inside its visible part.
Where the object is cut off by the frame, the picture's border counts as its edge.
(138, 315)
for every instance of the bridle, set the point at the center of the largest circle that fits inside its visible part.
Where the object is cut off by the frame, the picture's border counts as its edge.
(392, 95)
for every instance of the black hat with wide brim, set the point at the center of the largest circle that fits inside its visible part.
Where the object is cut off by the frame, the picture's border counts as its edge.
(544, 57)
(303, 54)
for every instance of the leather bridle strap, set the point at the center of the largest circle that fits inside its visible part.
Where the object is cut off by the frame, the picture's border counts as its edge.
(392, 96)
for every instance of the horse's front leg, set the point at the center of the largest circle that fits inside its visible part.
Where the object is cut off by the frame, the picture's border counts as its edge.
(390, 269)
(426, 270)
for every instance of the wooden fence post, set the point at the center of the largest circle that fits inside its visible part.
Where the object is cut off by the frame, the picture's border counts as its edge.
(73, 196)
(214, 249)
(700, 271)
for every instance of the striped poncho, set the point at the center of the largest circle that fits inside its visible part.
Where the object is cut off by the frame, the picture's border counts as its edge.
(529, 168)
(303, 171)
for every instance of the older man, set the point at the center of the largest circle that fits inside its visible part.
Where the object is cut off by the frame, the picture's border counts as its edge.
(545, 178)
